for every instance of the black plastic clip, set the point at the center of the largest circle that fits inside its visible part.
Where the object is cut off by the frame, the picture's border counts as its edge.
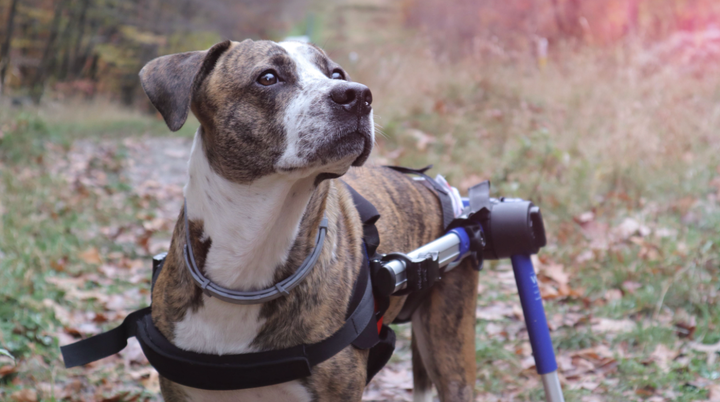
(421, 273)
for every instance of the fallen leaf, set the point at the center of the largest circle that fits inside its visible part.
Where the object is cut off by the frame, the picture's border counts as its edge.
(631, 287)
(662, 356)
(686, 328)
(152, 382)
(630, 227)
(7, 363)
(714, 393)
(494, 312)
(613, 294)
(24, 395)
(91, 256)
(646, 391)
(612, 326)
(5, 370)
(556, 273)
(584, 217)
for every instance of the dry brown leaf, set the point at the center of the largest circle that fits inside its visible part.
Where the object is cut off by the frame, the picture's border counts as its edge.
(714, 393)
(662, 356)
(630, 227)
(613, 294)
(584, 218)
(555, 272)
(600, 324)
(495, 311)
(65, 283)
(119, 396)
(61, 313)
(24, 395)
(152, 382)
(631, 286)
(91, 256)
(78, 294)
(645, 391)
(7, 369)
(564, 363)
(686, 328)
(59, 264)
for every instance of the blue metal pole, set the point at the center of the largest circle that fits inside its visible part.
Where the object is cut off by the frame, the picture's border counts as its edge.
(537, 327)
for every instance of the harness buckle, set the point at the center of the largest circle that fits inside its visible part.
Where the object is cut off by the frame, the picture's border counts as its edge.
(421, 273)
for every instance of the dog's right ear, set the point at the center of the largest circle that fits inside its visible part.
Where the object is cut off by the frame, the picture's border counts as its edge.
(169, 81)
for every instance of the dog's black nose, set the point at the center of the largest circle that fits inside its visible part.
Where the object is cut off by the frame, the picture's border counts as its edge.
(355, 98)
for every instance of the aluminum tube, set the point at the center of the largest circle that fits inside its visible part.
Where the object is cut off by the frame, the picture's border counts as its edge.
(553, 391)
(447, 247)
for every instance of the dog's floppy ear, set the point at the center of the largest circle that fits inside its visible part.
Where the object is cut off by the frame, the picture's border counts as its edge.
(169, 81)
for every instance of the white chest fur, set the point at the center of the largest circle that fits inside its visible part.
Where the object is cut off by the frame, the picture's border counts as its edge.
(252, 228)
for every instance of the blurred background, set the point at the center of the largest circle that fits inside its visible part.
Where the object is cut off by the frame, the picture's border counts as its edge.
(604, 113)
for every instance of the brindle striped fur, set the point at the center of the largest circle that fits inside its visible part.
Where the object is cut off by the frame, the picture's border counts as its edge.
(243, 138)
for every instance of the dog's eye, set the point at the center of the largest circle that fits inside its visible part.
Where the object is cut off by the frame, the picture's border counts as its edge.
(267, 78)
(337, 75)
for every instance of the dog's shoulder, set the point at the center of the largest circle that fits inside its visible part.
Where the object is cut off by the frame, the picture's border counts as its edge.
(410, 213)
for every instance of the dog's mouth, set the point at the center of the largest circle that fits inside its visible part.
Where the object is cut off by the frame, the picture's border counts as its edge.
(349, 147)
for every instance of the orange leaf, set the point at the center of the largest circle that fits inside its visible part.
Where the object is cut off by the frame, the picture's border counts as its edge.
(91, 256)
(24, 395)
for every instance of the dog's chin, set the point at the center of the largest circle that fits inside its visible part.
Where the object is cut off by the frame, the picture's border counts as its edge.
(367, 148)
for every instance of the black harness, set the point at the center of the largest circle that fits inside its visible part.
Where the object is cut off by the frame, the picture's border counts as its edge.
(363, 329)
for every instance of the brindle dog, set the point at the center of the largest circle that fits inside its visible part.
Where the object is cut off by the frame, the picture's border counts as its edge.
(279, 123)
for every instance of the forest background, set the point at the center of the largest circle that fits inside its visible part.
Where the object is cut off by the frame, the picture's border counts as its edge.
(604, 113)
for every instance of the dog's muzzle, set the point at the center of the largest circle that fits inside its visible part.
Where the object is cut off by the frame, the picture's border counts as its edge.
(353, 97)
(355, 101)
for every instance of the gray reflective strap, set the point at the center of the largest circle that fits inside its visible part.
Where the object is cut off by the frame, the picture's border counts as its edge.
(281, 288)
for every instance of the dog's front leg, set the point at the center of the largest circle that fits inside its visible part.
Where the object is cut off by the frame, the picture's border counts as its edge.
(444, 335)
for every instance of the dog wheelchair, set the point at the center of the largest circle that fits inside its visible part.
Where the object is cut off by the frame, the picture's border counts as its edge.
(482, 228)
(488, 229)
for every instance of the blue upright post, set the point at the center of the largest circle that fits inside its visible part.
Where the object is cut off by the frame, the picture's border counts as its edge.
(537, 327)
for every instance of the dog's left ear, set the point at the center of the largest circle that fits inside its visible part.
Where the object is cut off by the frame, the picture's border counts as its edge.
(169, 81)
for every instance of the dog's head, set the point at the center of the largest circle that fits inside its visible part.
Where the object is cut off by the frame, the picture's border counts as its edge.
(266, 108)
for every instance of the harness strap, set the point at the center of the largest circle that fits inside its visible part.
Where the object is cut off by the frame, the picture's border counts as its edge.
(369, 215)
(249, 370)
(105, 344)
(240, 371)
(420, 293)
(226, 372)
(440, 191)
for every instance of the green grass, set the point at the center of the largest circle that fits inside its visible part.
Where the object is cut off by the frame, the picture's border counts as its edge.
(45, 226)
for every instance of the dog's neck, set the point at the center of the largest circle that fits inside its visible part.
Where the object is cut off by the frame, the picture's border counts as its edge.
(252, 227)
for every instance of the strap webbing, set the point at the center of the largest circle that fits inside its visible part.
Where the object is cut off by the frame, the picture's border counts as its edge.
(369, 216)
(250, 370)
(227, 372)
(103, 345)
(440, 191)
(214, 372)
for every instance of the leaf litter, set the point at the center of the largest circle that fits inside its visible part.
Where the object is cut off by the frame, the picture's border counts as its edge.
(154, 171)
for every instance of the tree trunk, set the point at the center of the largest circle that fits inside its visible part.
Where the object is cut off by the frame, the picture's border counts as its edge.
(38, 83)
(66, 44)
(5, 50)
(77, 64)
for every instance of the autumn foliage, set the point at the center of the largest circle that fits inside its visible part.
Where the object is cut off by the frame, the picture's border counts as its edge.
(83, 47)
